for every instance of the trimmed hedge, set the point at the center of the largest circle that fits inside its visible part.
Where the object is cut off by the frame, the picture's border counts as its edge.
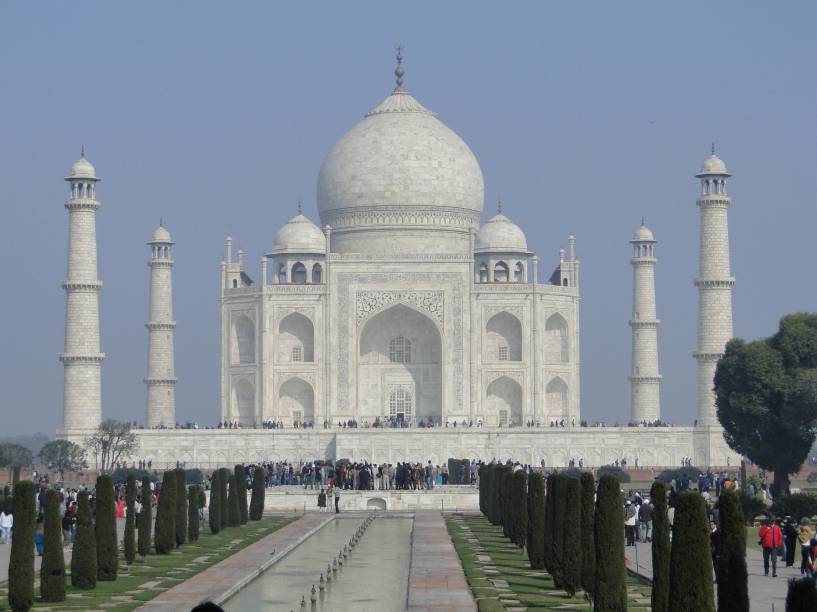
(660, 547)
(519, 509)
(258, 493)
(223, 483)
(130, 520)
(588, 546)
(233, 510)
(610, 590)
(731, 573)
(801, 595)
(52, 570)
(181, 507)
(571, 544)
(241, 483)
(164, 539)
(107, 548)
(215, 503)
(83, 555)
(145, 519)
(559, 512)
(536, 521)
(550, 534)
(193, 501)
(690, 586)
(21, 560)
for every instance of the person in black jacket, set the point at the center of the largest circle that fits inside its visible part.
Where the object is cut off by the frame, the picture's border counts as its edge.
(790, 537)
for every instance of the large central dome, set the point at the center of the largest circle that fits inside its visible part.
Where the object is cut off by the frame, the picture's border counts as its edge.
(400, 181)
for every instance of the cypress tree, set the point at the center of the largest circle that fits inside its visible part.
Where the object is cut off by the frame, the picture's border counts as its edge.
(731, 574)
(130, 519)
(181, 507)
(223, 483)
(588, 546)
(801, 596)
(507, 505)
(21, 560)
(519, 504)
(660, 547)
(571, 546)
(52, 570)
(258, 491)
(193, 500)
(559, 511)
(549, 524)
(145, 518)
(490, 477)
(107, 549)
(690, 585)
(483, 470)
(164, 539)
(610, 590)
(536, 521)
(241, 482)
(83, 555)
(215, 503)
(233, 511)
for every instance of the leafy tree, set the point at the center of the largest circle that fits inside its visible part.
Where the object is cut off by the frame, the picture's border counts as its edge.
(731, 574)
(767, 397)
(610, 590)
(550, 534)
(83, 555)
(107, 552)
(181, 507)
(690, 585)
(801, 596)
(145, 518)
(130, 520)
(64, 456)
(233, 511)
(52, 570)
(15, 456)
(112, 441)
(588, 546)
(536, 521)
(223, 484)
(164, 540)
(559, 512)
(571, 545)
(215, 502)
(258, 493)
(21, 560)
(620, 474)
(796, 505)
(660, 547)
(241, 483)
(193, 500)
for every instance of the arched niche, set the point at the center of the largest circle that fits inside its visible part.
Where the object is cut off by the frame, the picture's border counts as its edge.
(504, 396)
(297, 401)
(296, 339)
(556, 400)
(243, 340)
(503, 338)
(244, 403)
(557, 343)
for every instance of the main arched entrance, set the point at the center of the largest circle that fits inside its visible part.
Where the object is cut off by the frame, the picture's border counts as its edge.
(400, 367)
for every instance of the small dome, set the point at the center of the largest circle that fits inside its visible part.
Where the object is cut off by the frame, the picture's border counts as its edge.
(713, 165)
(300, 234)
(643, 234)
(501, 234)
(161, 235)
(83, 169)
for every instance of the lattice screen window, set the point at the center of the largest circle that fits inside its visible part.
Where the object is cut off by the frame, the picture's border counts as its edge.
(401, 402)
(297, 353)
(503, 418)
(503, 352)
(400, 350)
(297, 416)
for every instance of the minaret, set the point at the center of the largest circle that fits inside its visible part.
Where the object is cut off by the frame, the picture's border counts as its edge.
(82, 359)
(645, 381)
(714, 282)
(161, 378)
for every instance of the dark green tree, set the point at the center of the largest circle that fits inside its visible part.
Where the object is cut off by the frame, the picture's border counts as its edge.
(731, 574)
(193, 500)
(588, 546)
(536, 521)
(550, 533)
(181, 507)
(52, 570)
(483, 508)
(215, 503)
(660, 547)
(801, 596)
(21, 560)
(572, 543)
(258, 492)
(145, 519)
(130, 520)
(690, 585)
(223, 484)
(83, 555)
(241, 482)
(610, 590)
(63, 456)
(767, 397)
(519, 504)
(107, 549)
(164, 540)
(233, 510)
(559, 511)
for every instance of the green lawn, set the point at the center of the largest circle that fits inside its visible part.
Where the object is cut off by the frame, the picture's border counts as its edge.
(144, 580)
(526, 587)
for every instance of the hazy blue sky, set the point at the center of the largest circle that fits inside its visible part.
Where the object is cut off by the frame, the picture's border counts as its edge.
(584, 116)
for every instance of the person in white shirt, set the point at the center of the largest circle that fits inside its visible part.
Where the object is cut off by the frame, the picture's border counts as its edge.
(6, 523)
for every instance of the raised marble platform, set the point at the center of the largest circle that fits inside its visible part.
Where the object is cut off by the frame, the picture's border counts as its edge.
(447, 498)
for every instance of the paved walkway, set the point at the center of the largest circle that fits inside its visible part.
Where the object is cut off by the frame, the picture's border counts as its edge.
(436, 579)
(220, 581)
(765, 592)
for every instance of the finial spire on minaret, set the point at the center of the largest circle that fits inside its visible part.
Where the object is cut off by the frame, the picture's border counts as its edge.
(713, 148)
(299, 206)
(499, 206)
(399, 71)
(82, 151)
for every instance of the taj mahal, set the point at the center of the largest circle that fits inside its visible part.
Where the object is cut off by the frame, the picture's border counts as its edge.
(400, 327)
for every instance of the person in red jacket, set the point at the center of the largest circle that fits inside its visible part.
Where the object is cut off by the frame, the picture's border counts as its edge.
(771, 538)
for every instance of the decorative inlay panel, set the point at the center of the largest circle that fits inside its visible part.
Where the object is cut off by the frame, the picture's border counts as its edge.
(369, 302)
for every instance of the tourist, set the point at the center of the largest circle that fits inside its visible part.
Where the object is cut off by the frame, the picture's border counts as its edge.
(337, 501)
(790, 539)
(629, 522)
(714, 545)
(69, 521)
(645, 521)
(771, 538)
(429, 478)
(322, 501)
(6, 523)
(804, 538)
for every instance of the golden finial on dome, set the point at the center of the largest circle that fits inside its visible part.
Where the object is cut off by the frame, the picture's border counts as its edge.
(399, 71)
